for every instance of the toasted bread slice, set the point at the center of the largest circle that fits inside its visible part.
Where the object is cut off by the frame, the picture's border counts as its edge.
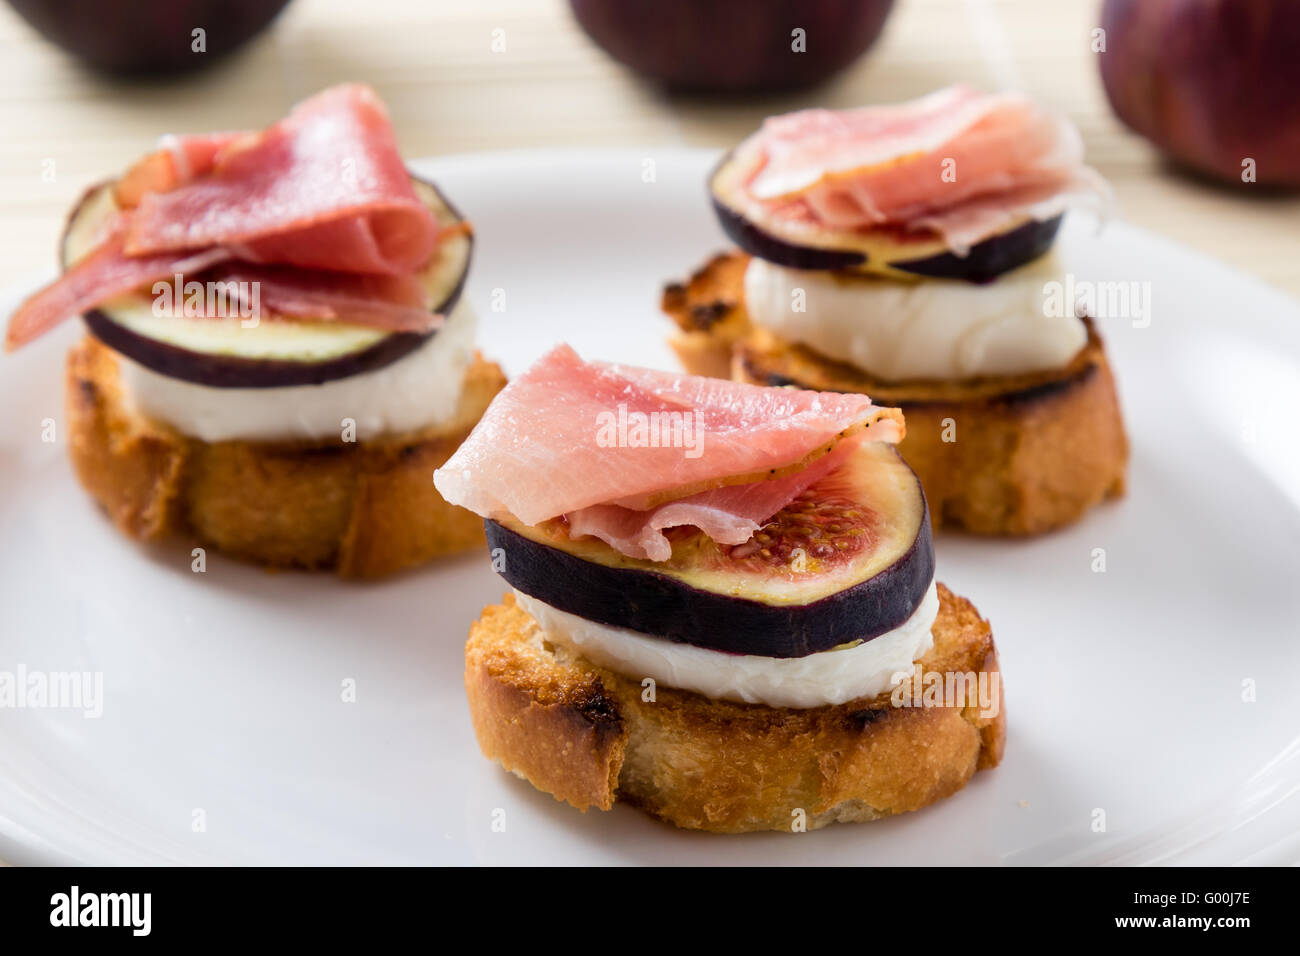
(709, 310)
(590, 736)
(1002, 455)
(364, 509)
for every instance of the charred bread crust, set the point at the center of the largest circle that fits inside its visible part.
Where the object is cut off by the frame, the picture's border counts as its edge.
(364, 509)
(1029, 453)
(586, 735)
(709, 313)
(541, 714)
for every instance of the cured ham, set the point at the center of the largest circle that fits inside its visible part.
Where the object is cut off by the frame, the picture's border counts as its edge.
(959, 163)
(324, 192)
(102, 275)
(178, 160)
(554, 443)
(324, 188)
(729, 515)
(393, 303)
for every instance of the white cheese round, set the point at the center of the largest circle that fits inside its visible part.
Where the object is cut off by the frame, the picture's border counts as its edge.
(419, 390)
(827, 677)
(930, 329)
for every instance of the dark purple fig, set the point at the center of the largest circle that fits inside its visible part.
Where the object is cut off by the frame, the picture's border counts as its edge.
(1212, 83)
(127, 325)
(990, 257)
(848, 560)
(148, 36)
(734, 46)
(878, 251)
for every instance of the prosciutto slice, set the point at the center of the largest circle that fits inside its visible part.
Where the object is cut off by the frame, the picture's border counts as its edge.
(959, 163)
(323, 191)
(566, 435)
(728, 515)
(394, 303)
(104, 274)
(178, 160)
(324, 188)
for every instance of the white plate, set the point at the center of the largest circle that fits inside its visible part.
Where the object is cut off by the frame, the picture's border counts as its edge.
(222, 690)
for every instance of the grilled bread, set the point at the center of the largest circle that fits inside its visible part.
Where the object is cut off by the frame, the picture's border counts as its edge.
(364, 508)
(589, 736)
(1005, 455)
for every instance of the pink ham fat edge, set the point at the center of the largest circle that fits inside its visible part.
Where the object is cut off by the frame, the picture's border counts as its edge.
(857, 170)
(533, 456)
(729, 515)
(308, 264)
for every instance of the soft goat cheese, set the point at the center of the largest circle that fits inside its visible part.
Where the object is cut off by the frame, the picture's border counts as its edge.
(827, 677)
(419, 390)
(931, 329)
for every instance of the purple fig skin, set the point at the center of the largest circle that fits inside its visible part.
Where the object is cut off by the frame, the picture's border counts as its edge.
(229, 371)
(232, 371)
(990, 257)
(661, 606)
(758, 242)
(986, 260)
(733, 46)
(146, 37)
(1210, 82)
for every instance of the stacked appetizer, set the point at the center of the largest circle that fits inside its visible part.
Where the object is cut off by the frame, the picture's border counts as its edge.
(278, 355)
(716, 589)
(906, 251)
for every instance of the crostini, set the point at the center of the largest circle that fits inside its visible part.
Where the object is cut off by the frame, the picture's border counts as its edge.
(278, 353)
(907, 252)
(723, 603)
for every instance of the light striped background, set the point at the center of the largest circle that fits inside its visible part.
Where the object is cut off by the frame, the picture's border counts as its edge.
(431, 60)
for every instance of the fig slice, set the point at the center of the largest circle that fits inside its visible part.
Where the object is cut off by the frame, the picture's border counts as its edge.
(218, 353)
(882, 252)
(848, 560)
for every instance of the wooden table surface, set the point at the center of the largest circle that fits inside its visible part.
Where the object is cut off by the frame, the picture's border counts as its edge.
(449, 92)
